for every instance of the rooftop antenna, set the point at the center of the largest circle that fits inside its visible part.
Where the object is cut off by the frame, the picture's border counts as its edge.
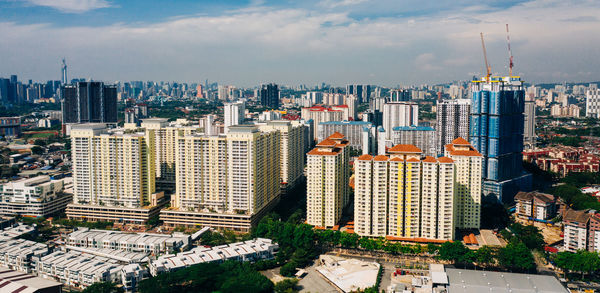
(487, 66)
(510, 55)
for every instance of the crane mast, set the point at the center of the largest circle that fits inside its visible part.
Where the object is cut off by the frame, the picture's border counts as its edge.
(510, 56)
(487, 66)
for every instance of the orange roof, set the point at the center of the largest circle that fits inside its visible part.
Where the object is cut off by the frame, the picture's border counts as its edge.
(404, 148)
(460, 141)
(471, 153)
(350, 231)
(335, 227)
(445, 160)
(430, 159)
(396, 159)
(413, 160)
(327, 142)
(336, 135)
(381, 158)
(316, 152)
(365, 158)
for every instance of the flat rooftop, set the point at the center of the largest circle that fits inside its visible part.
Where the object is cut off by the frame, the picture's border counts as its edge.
(471, 281)
(348, 274)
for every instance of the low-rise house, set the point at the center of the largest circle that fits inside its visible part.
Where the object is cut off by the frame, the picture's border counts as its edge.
(581, 230)
(535, 205)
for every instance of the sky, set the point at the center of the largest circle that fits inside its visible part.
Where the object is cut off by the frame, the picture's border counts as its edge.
(293, 42)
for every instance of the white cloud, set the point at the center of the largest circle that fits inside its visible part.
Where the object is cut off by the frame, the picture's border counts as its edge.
(294, 46)
(72, 6)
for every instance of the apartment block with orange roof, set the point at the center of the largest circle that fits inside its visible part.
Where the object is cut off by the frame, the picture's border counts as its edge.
(327, 175)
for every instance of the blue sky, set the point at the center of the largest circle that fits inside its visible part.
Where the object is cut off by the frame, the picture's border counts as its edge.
(388, 42)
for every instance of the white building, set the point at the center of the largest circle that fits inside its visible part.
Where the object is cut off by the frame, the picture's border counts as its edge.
(320, 114)
(234, 114)
(592, 103)
(36, 197)
(18, 254)
(422, 137)
(148, 243)
(452, 119)
(529, 127)
(251, 250)
(360, 134)
(399, 114)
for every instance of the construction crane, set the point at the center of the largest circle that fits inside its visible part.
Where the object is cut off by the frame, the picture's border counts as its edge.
(510, 56)
(487, 65)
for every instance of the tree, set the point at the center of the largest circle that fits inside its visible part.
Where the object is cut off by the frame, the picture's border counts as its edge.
(529, 235)
(37, 150)
(286, 286)
(349, 240)
(485, 255)
(103, 287)
(456, 252)
(516, 256)
(288, 269)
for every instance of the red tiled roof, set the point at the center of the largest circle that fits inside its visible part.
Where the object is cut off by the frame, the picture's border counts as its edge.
(381, 158)
(316, 152)
(404, 148)
(327, 142)
(460, 141)
(396, 159)
(413, 160)
(445, 160)
(336, 135)
(365, 158)
(429, 159)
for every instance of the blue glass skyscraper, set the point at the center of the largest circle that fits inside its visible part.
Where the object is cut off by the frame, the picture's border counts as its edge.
(496, 130)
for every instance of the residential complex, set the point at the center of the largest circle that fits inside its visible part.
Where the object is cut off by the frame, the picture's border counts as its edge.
(112, 170)
(231, 178)
(234, 113)
(34, 197)
(320, 114)
(404, 195)
(146, 243)
(535, 205)
(581, 230)
(496, 131)
(452, 119)
(564, 159)
(327, 176)
(251, 250)
(399, 114)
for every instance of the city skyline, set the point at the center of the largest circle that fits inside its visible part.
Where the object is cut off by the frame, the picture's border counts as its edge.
(343, 42)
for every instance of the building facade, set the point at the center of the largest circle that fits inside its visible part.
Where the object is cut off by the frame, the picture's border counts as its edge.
(496, 131)
(320, 114)
(422, 137)
(234, 114)
(10, 126)
(535, 205)
(397, 114)
(327, 178)
(34, 197)
(529, 136)
(452, 119)
(592, 103)
(404, 196)
(89, 102)
(360, 134)
(269, 96)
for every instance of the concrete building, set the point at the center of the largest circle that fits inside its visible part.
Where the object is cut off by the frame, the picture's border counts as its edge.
(218, 176)
(291, 149)
(399, 114)
(473, 281)
(468, 163)
(234, 113)
(422, 137)
(572, 111)
(320, 114)
(88, 102)
(529, 135)
(269, 96)
(360, 134)
(251, 250)
(112, 171)
(592, 103)
(403, 196)
(327, 175)
(20, 254)
(581, 230)
(165, 135)
(535, 205)
(496, 131)
(34, 197)
(348, 274)
(452, 119)
(147, 243)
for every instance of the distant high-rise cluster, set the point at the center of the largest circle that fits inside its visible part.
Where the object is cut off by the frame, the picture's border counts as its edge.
(269, 96)
(88, 102)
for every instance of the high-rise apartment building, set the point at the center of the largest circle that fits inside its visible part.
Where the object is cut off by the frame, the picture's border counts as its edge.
(592, 103)
(362, 92)
(234, 113)
(399, 114)
(328, 175)
(496, 131)
(467, 186)
(529, 126)
(112, 169)
(360, 134)
(452, 119)
(269, 96)
(399, 95)
(320, 114)
(422, 137)
(88, 102)
(165, 135)
(404, 196)
(225, 181)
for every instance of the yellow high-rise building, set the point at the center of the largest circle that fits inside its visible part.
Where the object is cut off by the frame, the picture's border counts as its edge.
(327, 175)
(404, 196)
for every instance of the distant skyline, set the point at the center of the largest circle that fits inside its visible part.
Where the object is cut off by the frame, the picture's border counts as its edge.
(294, 42)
